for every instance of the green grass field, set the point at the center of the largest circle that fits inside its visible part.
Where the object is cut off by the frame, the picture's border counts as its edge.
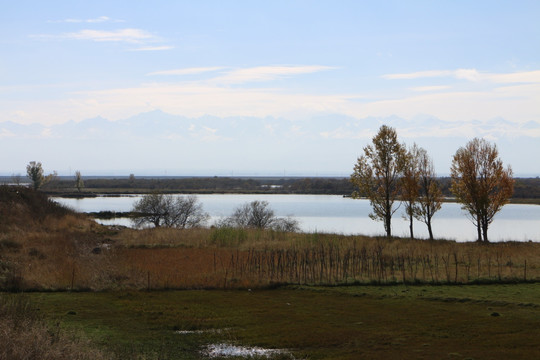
(362, 322)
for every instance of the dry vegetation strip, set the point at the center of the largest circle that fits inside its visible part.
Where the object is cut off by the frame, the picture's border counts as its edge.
(238, 258)
(96, 258)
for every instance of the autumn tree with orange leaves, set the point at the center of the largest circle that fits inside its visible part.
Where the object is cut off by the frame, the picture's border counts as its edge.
(377, 175)
(480, 183)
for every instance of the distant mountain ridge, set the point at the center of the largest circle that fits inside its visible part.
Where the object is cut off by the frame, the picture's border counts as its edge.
(178, 145)
(161, 124)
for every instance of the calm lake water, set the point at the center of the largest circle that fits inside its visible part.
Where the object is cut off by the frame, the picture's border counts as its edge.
(336, 214)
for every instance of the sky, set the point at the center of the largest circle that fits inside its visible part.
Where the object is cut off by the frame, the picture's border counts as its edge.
(262, 87)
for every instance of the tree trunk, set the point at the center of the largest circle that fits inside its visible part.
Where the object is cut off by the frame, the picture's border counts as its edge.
(479, 228)
(485, 230)
(429, 229)
(411, 226)
(388, 225)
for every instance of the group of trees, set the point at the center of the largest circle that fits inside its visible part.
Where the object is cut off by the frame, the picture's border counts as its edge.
(187, 212)
(36, 174)
(388, 172)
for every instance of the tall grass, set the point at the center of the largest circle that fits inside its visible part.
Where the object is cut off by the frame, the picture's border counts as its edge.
(232, 258)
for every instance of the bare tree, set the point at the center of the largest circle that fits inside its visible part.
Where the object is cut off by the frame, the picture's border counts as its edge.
(257, 214)
(79, 183)
(16, 179)
(286, 224)
(185, 212)
(151, 208)
(430, 194)
(480, 183)
(376, 175)
(169, 211)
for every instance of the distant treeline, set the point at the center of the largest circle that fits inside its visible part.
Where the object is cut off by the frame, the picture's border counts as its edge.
(525, 188)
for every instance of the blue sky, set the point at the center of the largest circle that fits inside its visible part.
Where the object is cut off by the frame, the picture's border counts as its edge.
(473, 66)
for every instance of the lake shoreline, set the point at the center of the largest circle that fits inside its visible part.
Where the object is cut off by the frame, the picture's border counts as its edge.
(130, 192)
(330, 214)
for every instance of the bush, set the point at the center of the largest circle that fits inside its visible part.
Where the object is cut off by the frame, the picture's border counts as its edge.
(258, 215)
(169, 211)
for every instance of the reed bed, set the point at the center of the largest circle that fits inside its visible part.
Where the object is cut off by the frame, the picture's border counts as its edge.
(239, 258)
(361, 262)
(75, 255)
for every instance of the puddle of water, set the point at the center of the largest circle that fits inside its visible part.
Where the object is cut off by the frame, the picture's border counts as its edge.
(224, 350)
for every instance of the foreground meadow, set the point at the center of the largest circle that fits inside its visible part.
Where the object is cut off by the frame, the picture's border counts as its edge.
(371, 322)
(190, 294)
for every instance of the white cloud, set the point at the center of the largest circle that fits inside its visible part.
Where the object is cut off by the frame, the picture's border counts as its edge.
(419, 74)
(252, 74)
(100, 19)
(187, 71)
(266, 73)
(471, 75)
(467, 74)
(518, 77)
(121, 35)
(430, 88)
(153, 48)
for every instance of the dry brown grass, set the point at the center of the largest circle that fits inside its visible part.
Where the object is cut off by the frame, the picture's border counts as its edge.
(42, 245)
(207, 258)
(90, 257)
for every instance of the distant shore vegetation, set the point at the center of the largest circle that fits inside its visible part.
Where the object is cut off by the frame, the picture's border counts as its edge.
(526, 190)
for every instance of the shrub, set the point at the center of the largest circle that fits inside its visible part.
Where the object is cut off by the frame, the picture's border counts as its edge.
(258, 215)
